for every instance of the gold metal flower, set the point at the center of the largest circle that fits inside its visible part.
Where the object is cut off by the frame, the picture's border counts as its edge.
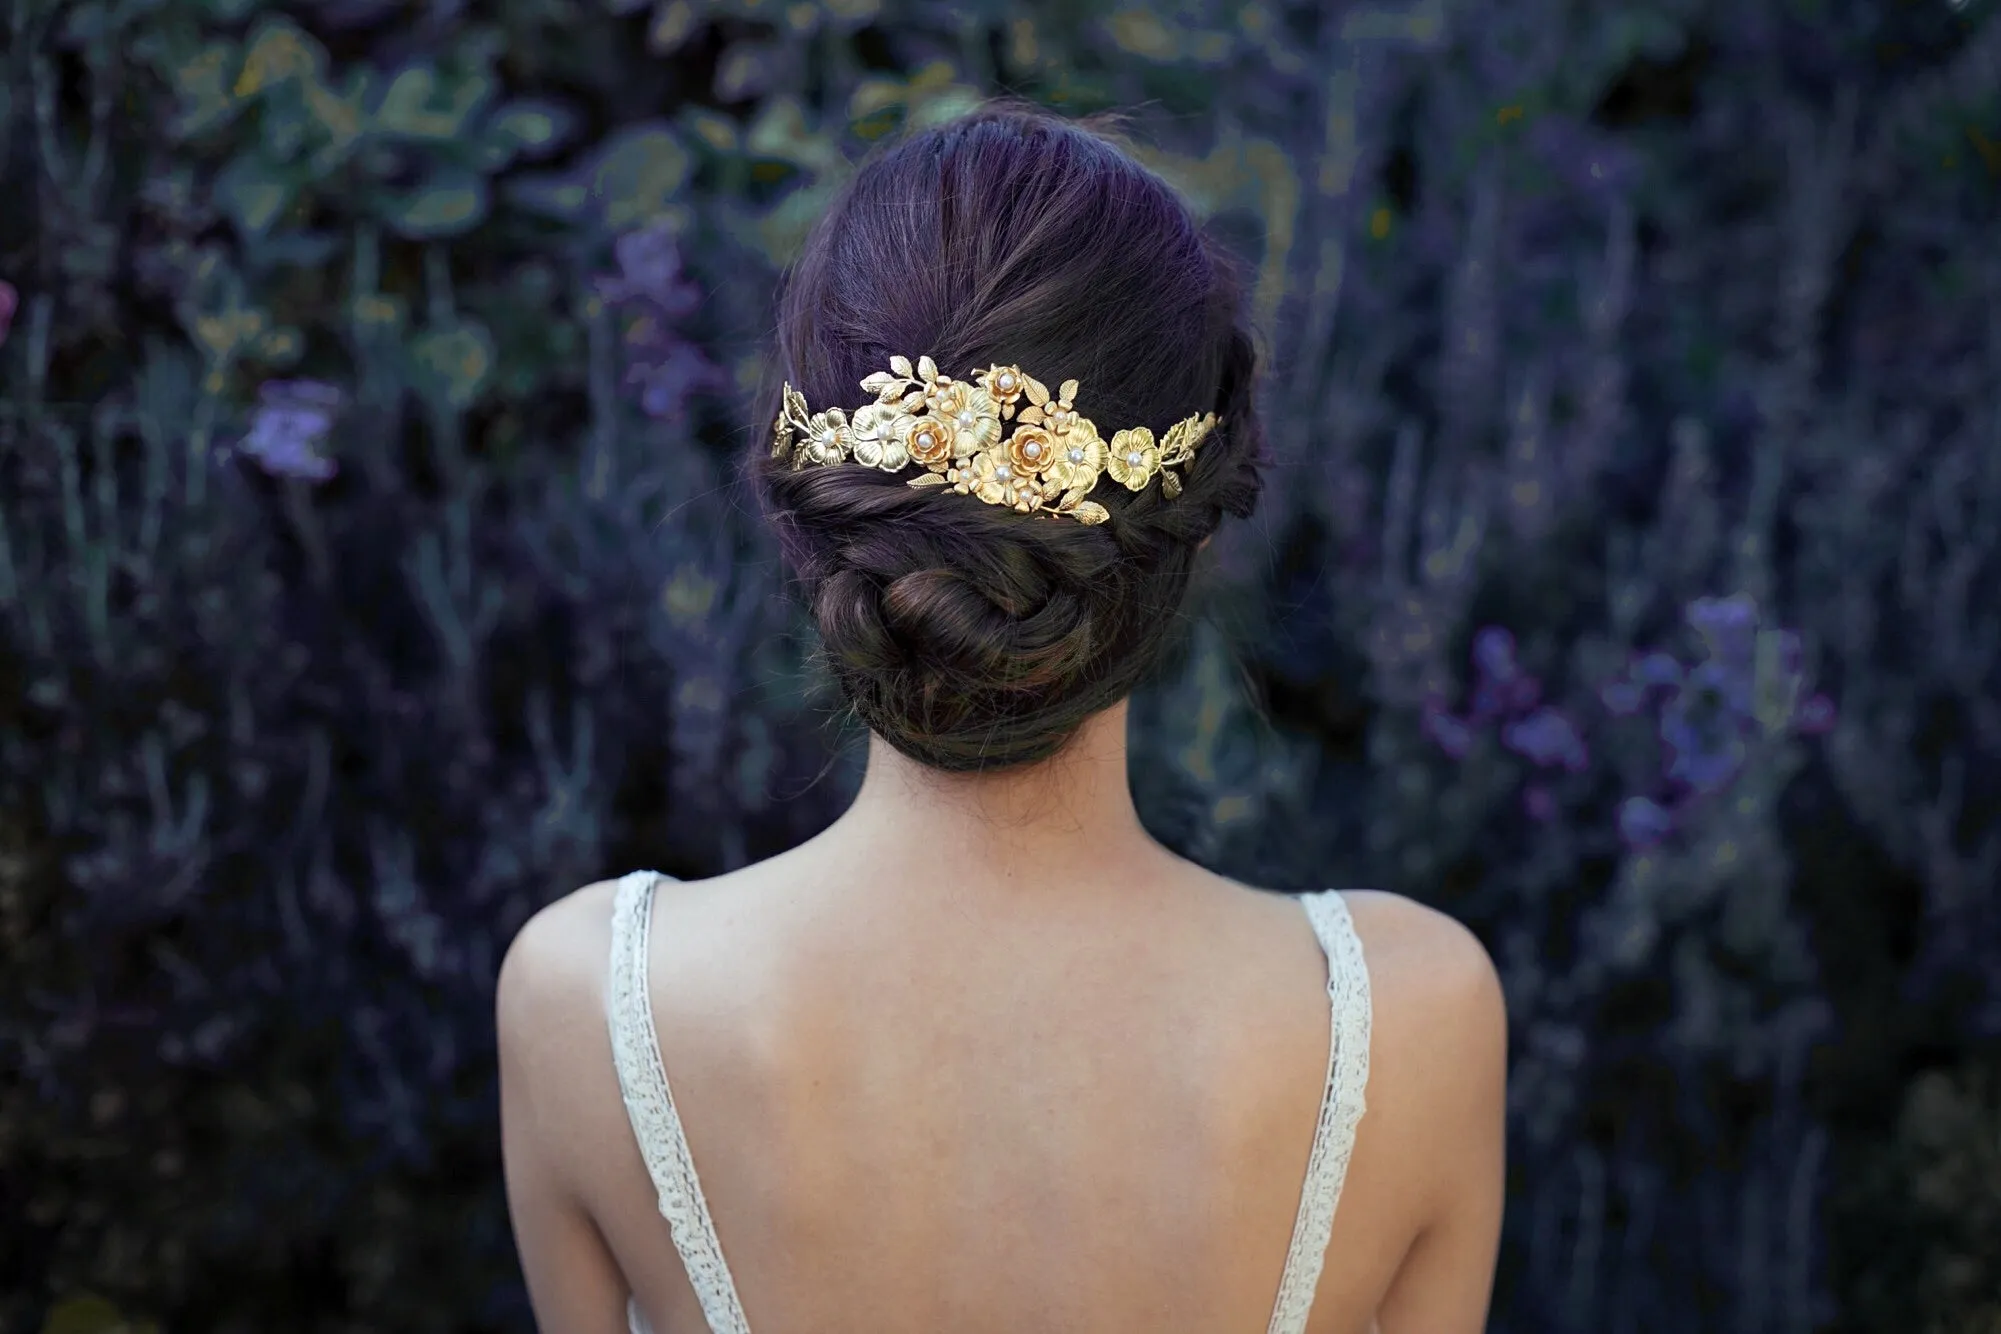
(1031, 449)
(873, 436)
(1080, 457)
(967, 411)
(1006, 384)
(1133, 458)
(999, 482)
(923, 440)
(951, 428)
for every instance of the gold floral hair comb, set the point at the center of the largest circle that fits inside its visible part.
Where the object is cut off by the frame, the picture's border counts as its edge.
(1047, 464)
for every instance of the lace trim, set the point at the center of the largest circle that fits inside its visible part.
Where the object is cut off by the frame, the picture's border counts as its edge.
(649, 1105)
(1341, 1108)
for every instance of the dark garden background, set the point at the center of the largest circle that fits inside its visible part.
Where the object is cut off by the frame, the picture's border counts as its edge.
(372, 571)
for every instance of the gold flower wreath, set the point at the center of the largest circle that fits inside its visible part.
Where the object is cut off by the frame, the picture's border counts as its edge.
(952, 429)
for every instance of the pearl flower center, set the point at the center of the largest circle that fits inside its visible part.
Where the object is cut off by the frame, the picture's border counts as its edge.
(924, 439)
(966, 419)
(1133, 459)
(1076, 456)
(1007, 382)
(1003, 473)
(1032, 449)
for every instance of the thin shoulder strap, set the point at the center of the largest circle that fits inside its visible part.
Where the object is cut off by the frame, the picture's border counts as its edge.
(1341, 1107)
(642, 1078)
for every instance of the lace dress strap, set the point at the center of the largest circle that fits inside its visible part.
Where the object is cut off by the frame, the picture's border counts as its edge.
(1341, 1107)
(642, 1079)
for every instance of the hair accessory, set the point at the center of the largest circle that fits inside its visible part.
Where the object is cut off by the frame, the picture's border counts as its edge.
(952, 429)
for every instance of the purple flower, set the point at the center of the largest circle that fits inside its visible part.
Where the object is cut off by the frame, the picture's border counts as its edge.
(1622, 697)
(1546, 737)
(10, 301)
(288, 426)
(668, 381)
(1500, 699)
(649, 270)
(1656, 669)
(1703, 727)
(1450, 734)
(1494, 653)
(1729, 625)
(1643, 822)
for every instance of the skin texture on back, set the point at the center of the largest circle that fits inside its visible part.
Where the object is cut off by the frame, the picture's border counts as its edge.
(921, 1110)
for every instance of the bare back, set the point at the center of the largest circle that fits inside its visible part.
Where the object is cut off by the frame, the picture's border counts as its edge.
(1095, 1115)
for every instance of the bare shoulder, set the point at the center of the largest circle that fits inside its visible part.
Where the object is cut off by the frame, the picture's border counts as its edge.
(559, 956)
(1439, 1045)
(549, 999)
(1427, 961)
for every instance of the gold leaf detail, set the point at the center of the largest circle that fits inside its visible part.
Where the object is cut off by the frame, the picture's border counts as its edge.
(901, 365)
(1031, 415)
(1038, 393)
(1170, 485)
(1068, 391)
(926, 368)
(927, 479)
(1090, 512)
(878, 382)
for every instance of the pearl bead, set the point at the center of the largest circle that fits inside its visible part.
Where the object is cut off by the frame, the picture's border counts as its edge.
(1032, 449)
(924, 439)
(1076, 456)
(1003, 473)
(1007, 382)
(966, 419)
(1133, 459)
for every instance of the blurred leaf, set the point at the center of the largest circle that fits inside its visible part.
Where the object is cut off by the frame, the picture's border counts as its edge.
(254, 192)
(91, 1315)
(535, 128)
(421, 104)
(451, 200)
(634, 176)
(203, 81)
(780, 131)
(279, 51)
(745, 70)
(452, 363)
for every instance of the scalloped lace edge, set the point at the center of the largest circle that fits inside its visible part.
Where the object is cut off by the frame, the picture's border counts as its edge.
(649, 1105)
(1341, 1107)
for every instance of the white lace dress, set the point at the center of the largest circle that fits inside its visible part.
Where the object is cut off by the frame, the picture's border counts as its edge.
(650, 1106)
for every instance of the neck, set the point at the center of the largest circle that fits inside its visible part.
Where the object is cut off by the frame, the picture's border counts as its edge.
(1067, 818)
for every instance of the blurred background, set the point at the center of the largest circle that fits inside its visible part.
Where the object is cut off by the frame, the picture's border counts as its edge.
(373, 570)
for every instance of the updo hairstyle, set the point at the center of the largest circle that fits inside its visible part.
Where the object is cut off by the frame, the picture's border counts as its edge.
(968, 636)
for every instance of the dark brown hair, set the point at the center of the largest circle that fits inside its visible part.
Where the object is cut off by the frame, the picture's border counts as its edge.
(968, 636)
